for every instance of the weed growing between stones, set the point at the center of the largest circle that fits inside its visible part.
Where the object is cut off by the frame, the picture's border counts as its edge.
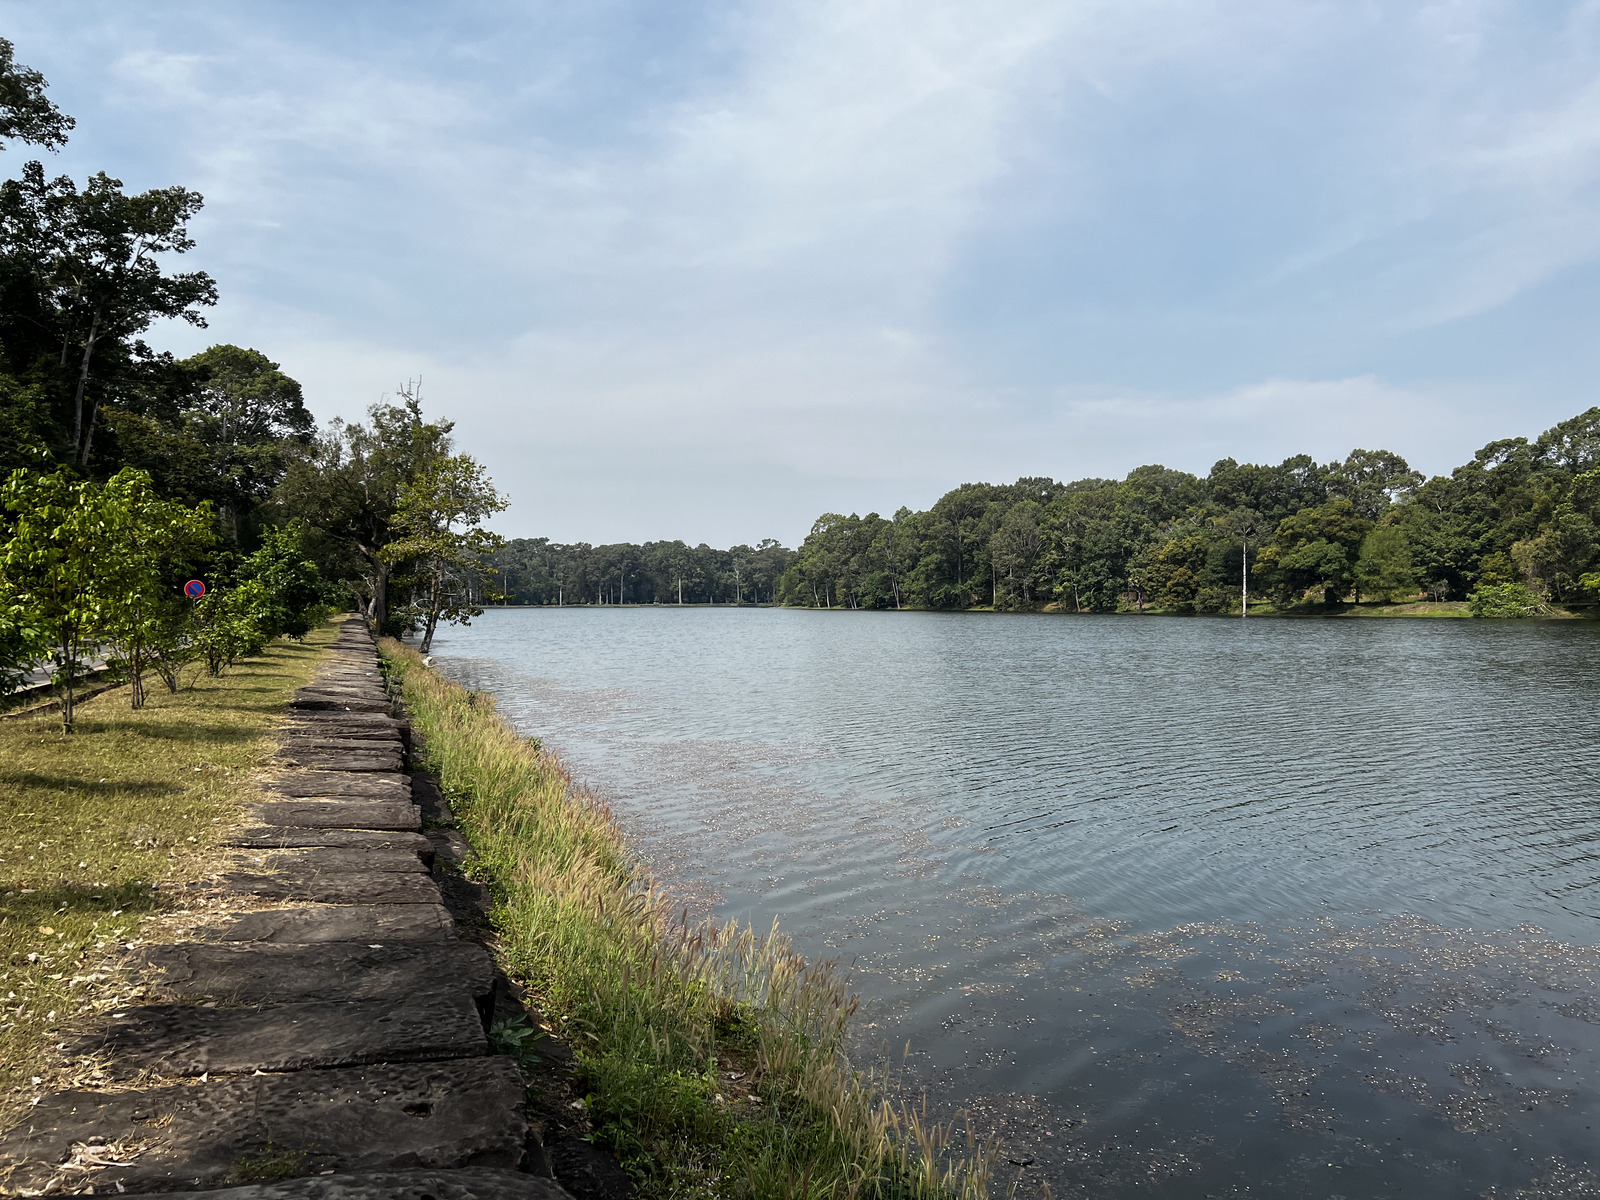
(713, 1055)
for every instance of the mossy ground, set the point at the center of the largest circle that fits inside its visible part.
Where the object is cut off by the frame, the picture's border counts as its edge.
(91, 820)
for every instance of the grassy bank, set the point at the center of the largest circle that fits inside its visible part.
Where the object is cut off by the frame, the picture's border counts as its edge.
(89, 821)
(713, 1057)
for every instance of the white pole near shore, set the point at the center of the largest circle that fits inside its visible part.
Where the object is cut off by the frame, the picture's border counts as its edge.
(1244, 575)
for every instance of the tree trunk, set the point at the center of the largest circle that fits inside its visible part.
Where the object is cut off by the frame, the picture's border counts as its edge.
(380, 596)
(83, 381)
(66, 663)
(433, 614)
(88, 440)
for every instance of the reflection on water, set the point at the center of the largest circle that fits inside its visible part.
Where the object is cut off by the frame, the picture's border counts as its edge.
(1179, 907)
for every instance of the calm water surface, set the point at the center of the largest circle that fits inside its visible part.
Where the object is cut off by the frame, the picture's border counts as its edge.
(1179, 908)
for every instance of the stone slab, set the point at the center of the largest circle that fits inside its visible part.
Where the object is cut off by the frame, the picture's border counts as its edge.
(360, 738)
(378, 761)
(317, 860)
(348, 724)
(347, 695)
(323, 971)
(172, 1040)
(460, 1113)
(277, 837)
(336, 887)
(384, 924)
(472, 1183)
(340, 814)
(339, 704)
(320, 717)
(337, 783)
(376, 744)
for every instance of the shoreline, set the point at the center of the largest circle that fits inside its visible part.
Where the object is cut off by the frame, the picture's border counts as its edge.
(1430, 610)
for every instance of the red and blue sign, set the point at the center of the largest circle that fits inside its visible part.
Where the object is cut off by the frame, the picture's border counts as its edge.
(194, 589)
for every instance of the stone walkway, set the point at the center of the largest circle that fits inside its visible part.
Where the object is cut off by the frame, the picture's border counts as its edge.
(323, 1032)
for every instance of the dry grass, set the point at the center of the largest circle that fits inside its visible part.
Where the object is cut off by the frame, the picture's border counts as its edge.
(91, 822)
(713, 1056)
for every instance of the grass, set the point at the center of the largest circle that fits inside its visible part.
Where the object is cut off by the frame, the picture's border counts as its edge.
(712, 1057)
(1411, 608)
(92, 821)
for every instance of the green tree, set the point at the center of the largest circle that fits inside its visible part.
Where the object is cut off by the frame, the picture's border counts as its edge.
(297, 594)
(49, 570)
(439, 522)
(348, 484)
(26, 113)
(140, 611)
(222, 425)
(95, 259)
(1372, 480)
(1173, 570)
(1385, 570)
(1505, 600)
(232, 622)
(1015, 549)
(1316, 549)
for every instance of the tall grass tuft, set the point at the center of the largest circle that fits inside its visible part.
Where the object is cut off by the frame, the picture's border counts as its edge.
(713, 1055)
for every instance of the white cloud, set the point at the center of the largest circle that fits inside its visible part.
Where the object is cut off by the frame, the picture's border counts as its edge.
(762, 249)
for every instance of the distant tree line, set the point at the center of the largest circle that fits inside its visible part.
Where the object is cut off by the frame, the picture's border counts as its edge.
(539, 571)
(1515, 529)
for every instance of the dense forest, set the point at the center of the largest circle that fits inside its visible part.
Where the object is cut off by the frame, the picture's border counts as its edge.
(125, 471)
(1515, 530)
(539, 571)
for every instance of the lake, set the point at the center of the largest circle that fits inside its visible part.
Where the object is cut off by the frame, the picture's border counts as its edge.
(1177, 907)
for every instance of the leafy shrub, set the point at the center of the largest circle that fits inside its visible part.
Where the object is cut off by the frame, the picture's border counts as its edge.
(233, 623)
(1505, 600)
(296, 594)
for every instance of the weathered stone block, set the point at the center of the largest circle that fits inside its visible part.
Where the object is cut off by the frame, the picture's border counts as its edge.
(341, 887)
(337, 859)
(266, 837)
(367, 923)
(339, 703)
(324, 971)
(182, 1040)
(340, 814)
(341, 760)
(462, 1113)
(332, 784)
(381, 742)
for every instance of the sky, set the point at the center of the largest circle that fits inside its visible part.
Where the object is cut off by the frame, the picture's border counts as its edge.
(708, 270)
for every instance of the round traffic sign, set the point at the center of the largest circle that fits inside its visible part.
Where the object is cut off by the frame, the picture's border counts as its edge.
(194, 589)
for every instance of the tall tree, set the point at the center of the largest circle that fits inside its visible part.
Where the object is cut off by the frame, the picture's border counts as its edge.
(248, 414)
(439, 525)
(349, 482)
(94, 261)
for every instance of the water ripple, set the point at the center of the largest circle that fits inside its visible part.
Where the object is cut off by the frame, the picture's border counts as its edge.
(1181, 907)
